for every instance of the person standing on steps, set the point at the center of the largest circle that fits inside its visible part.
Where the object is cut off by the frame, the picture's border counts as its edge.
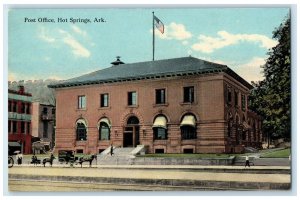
(247, 162)
(111, 150)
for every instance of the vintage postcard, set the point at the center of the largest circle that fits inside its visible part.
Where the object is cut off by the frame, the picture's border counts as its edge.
(149, 99)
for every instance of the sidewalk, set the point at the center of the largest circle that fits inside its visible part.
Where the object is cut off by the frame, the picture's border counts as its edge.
(158, 166)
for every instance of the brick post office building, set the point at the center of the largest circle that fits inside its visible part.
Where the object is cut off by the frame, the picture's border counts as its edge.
(19, 120)
(181, 105)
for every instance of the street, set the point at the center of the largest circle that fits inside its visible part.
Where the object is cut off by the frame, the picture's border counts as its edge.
(147, 178)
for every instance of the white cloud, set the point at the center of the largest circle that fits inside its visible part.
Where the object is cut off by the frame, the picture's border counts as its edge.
(209, 44)
(12, 76)
(77, 48)
(252, 71)
(44, 35)
(174, 31)
(185, 42)
(222, 62)
(76, 29)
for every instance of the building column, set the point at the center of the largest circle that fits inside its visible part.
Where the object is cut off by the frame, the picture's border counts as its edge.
(19, 107)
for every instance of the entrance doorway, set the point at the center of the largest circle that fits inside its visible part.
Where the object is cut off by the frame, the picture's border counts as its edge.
(131, 136)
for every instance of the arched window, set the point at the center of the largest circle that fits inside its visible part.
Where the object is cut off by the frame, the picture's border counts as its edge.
(81, 132)
(104, 129)
(160, 131)
(188, 127)
(133, 121)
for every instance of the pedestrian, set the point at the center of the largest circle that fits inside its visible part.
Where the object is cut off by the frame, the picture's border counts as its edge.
(19, 158)
(111, 150)
(247, 162)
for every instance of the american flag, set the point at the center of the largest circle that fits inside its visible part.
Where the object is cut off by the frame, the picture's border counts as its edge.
(159, 25)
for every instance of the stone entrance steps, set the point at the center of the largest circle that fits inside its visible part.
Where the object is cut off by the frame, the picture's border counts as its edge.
(120, 156)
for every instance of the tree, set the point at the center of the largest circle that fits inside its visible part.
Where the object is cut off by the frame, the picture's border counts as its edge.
(271, 98)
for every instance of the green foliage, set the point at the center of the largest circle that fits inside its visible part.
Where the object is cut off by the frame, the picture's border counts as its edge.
(271, 98)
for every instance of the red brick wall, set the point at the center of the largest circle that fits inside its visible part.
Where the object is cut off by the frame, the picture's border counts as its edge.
(208, 108)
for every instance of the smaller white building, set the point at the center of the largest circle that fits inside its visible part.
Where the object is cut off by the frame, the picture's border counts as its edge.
(43, 121)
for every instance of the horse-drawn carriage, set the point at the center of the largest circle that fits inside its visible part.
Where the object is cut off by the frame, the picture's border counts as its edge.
(69, 157)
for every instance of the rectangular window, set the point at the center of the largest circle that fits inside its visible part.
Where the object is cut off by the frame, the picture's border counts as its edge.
(104, 100)
(79, 151)
(23, 108)
(188, 94)
(45, 110)
(14, 106)
(14, 126)
(160, 133)
(160, 96)
(243, 102)
(45, 130)
(104, 133)
(188, 150)
(22, 127)
(236, 98)
(159, 151)
(9, 106)
(9, 126)
(132, 98)
(28, 109)
(229, 96)
(81, 102)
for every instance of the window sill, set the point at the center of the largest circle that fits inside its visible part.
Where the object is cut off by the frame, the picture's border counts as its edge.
(187, 103)
(133, 106)
(81, 109)
(81, 141)
(161, 105)
(104, 108)
(193, 139)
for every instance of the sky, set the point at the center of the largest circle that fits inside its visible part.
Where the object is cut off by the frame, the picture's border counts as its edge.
(39, 48)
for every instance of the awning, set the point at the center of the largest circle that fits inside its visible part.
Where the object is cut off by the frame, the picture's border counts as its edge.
(188, 120)
(246, 125)
(81, 121)
(160, 122)
(14, 144)
(104, 120)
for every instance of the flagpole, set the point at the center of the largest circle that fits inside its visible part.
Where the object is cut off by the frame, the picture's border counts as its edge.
(153, 41)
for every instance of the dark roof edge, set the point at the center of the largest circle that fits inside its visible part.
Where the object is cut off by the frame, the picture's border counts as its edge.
(145, 77)
(223, 68)
(231, 73)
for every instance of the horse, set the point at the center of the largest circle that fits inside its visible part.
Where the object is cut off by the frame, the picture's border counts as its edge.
(49, 160)
(90, 159)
